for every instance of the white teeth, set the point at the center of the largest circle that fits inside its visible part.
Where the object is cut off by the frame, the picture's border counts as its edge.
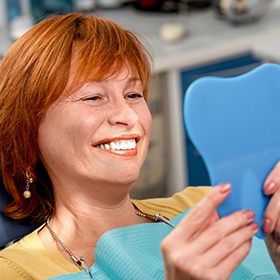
(121, 145)
(129, 145)
(112, 145)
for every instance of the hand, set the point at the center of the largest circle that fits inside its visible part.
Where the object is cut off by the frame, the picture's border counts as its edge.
(204, 246)
(271, 221)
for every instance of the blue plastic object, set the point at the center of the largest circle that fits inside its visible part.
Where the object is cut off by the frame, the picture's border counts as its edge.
(235, 125)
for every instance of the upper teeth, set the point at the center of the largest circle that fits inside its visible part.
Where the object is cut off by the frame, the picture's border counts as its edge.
(121, 145)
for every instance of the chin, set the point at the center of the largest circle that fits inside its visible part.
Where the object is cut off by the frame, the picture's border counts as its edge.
(127, 179)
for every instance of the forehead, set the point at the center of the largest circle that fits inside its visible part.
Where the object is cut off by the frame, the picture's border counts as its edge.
(125, 73)
(122, 73)
(96, 66)
(124, 77)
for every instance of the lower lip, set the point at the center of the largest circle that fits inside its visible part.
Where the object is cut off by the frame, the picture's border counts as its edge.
(121, 153)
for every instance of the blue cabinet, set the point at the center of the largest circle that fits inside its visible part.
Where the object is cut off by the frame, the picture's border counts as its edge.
(197, 172)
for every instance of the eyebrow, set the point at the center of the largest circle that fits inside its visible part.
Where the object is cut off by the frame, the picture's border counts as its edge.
(133, 80)
(129, 81)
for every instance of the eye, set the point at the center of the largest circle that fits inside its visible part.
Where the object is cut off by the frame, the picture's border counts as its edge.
(135, 96)
(91, 98)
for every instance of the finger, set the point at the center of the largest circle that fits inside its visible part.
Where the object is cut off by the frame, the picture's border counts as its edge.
(213, 218)
(271, 216)
(228, 265)
(272, 182)
(272, 212)
(224, 227)
(276, 233)
(229, 244)
(202, 213)
(187, 261)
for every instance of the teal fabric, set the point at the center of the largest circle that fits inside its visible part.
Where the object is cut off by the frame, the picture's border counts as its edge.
(134, 253)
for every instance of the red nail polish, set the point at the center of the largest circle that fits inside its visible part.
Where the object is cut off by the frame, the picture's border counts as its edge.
(225, 187)
(250, 215)
(266, 226)
(270, 187)
(254, 227)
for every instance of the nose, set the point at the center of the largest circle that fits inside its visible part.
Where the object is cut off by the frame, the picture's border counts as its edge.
(123, 114)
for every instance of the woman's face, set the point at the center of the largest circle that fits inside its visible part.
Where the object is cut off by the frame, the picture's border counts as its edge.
(99, 134)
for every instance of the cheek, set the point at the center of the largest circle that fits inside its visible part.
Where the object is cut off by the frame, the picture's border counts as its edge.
(146, 120)
(58, 134)
(66, 133)
(51, 140)
(61, 145)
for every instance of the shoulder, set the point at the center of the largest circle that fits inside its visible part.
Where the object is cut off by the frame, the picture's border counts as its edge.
(172, 206)
(12, 257)
(10, 271)
(28, 259)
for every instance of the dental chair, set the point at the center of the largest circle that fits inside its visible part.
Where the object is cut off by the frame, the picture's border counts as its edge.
(10, 230)
(235, 125)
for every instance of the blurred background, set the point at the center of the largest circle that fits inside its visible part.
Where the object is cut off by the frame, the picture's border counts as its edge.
(188, 39)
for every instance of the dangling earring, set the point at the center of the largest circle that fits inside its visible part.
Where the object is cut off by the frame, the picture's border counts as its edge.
(29, 180)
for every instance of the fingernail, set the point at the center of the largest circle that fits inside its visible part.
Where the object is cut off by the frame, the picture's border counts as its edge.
(224, 187)
(254, 227)
(250, 215)
(266, 226)
(276, 237)
(270, 187)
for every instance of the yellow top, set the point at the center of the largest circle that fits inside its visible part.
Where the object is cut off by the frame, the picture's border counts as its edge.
(28, 259)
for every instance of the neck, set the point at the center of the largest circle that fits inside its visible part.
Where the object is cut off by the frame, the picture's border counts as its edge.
(80, 224)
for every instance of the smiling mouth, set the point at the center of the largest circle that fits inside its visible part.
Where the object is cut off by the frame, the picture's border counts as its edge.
(122, 145)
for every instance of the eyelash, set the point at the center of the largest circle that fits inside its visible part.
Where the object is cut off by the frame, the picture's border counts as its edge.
(130, 95)
(135, 95)
(92, 98)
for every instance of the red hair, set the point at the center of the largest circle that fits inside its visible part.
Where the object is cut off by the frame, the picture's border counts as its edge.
(33, 75)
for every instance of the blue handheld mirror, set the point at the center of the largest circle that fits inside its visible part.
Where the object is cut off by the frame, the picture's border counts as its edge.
(235, 125)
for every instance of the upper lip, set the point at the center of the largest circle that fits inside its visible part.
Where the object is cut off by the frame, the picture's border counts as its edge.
(135, 137)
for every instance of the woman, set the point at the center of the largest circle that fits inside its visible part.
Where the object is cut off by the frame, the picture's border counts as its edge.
(75, 128)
